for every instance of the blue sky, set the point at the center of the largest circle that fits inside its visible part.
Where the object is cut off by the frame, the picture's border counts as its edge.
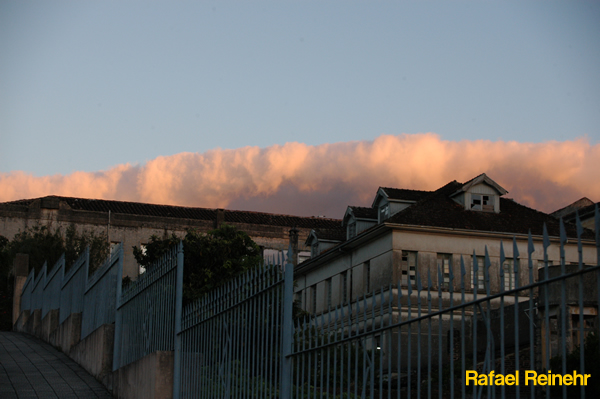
(85, 86)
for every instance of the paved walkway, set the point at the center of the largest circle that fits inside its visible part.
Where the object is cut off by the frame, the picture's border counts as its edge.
(30, 368)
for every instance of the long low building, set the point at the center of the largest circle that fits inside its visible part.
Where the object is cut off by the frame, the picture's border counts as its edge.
(133, 223)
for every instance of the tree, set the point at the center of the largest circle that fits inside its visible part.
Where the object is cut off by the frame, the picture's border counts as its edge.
(43, 244)
(210, 259)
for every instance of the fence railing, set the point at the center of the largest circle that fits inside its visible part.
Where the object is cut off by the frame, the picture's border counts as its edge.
(100, 296)
(145, 320)
(400, 342)
(231, 339)
(73, 287)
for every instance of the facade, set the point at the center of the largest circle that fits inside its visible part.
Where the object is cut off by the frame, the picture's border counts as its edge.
(133, 223)
(410, 235)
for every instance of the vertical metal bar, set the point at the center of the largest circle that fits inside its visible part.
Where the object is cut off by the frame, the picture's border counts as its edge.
(502, 289)
(399, 354)
(288, 330)
(475, 278)
(581, 320)
(530, 251)
(463, 353)
(429, 284)
(517, 274)
(440, 333)
(563, 302)
(452, 331)
(408, 338)
(119, 313)
(546, 244)
(419, 312)
(490, 338)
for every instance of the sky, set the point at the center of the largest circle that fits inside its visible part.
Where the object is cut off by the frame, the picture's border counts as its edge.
(298, 107)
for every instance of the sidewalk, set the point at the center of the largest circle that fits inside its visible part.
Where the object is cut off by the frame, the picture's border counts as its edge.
(30, 368)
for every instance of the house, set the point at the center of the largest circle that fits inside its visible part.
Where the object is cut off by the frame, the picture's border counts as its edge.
(408, 235)
(584, 207)
(132, 223)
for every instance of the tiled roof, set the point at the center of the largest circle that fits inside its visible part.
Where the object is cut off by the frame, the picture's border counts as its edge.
(181, 212)
(364, 212)
(439, 210)
(334, 234)
(404, 194)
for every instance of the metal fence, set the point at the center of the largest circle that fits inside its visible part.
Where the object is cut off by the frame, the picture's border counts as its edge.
(73, 287)
(400, 342)
(146, 312)
(73, 292)
(232, 339)
(100, 296)
(52, 285)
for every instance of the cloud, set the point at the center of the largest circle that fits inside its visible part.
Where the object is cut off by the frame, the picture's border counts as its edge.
(296, 178)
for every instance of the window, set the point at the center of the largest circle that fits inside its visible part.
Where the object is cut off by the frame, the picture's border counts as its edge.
(480, 273)
(384, 212)
(314, 249)
(480, 202)
(509, 274)
(444, 264)
(313, 292)
(344, 287)
(409, 268)
(329, 292)
(367, 276)
(352, 230)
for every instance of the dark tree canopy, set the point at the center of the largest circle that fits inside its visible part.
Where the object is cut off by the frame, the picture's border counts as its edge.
(210, 259)
(44, 244)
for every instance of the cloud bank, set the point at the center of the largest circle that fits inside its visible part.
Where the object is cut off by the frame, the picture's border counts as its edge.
(300, 179)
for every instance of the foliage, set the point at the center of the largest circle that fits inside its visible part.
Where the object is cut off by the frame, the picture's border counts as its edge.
(6, 284)
(210, 259)
(44, 244)
(591, 348)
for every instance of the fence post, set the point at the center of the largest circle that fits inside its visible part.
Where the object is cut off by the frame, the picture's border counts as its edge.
(178, 311)
(118, 314)
(288, 328)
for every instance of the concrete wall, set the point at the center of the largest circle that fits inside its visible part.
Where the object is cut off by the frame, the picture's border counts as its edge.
(68, 334)
(150, 377)
(95, 353)
(131, 230)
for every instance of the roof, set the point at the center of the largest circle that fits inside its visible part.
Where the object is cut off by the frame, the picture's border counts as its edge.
(181, 212)
(404, 194)
(363, 212)
(398, 194)
(583, 205)
(439, 210)
(482, 178)
(336, 234)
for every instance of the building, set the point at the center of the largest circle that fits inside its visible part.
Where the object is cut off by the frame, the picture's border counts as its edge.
(408, 235)
(134, 223)
(583, 207)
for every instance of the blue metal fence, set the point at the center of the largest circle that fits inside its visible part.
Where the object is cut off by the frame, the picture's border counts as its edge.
(52, 287)
(73, 287)
(231, 340)
(400, 342)
(100, 296)
(145, 320)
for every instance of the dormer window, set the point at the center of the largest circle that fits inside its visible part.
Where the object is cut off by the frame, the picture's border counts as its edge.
(314, 249)
(384, 212)
(352, 230)
(480, 202)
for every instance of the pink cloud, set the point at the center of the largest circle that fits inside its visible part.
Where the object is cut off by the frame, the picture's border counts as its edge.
(296, 178)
